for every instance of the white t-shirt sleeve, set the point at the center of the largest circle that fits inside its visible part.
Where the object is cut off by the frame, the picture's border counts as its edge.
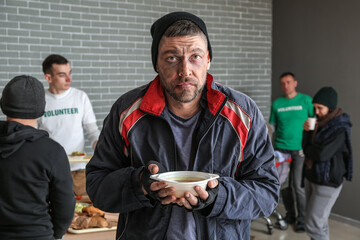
(91, 130)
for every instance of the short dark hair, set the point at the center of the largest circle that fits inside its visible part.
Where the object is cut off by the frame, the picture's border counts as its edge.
(183, 28)
(287, 74)
(50, 60)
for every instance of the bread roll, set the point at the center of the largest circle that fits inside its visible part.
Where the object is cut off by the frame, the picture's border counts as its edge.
(93, 211)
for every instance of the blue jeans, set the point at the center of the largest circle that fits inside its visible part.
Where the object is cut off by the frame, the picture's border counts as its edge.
(294, 195)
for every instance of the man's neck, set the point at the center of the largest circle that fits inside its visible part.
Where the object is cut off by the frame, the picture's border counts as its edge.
(291, 95)
(55, 91)
(184, 110)
(28, 122)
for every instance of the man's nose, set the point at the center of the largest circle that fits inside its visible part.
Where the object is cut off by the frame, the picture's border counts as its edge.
(68, 78)
(184, 68)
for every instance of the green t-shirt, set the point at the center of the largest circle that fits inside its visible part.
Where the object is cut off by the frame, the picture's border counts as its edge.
(288, 116)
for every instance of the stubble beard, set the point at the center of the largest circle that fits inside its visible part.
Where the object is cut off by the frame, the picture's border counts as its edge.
(185, 96)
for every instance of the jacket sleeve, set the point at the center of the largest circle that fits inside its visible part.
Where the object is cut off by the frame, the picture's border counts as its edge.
(254, 192)
(326, 150)
(112, 184)
(61, 197)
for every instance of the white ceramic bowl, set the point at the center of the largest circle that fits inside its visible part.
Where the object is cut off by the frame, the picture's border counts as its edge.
(185, 181)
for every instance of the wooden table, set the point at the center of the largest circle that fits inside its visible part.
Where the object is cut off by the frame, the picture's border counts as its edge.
(108, 235)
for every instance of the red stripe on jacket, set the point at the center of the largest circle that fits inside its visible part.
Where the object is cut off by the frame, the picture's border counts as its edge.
(240, 121)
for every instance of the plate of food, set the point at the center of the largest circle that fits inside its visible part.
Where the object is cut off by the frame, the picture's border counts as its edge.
(88, 218)
(185, 181)
(76, 157)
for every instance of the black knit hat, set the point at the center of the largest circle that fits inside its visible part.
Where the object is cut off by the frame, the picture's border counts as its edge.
(326, 96)
(23, 97)
(159, 27)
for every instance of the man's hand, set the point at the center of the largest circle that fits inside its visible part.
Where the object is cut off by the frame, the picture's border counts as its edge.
(155, 189)
(153, 169)
(190, 201)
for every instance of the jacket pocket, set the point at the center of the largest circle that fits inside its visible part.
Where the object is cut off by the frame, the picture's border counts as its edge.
(338, 169)
(322, 170)
(330, 172)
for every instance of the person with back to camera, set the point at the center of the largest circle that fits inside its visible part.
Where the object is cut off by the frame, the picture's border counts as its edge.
(36, 197)
(287, 116)
(183, 120)
(328, 159)
(68, 115)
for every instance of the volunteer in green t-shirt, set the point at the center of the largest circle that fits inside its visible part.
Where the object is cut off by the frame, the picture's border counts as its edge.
(288, 114)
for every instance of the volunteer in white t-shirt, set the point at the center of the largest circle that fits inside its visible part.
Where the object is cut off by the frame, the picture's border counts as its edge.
(68, 116)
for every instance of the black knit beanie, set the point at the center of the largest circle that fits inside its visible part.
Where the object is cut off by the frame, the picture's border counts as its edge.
(159, 27)
(326, 96)
(23, 97)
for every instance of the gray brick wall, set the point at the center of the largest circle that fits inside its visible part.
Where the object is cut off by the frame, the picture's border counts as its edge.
(108, 43)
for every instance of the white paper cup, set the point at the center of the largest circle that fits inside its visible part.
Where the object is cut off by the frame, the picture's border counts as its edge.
(312, 121)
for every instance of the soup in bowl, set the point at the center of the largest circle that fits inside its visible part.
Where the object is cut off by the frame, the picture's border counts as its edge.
(185, 181)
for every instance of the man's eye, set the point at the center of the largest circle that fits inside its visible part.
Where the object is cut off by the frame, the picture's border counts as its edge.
(172, 58)
(197, 56)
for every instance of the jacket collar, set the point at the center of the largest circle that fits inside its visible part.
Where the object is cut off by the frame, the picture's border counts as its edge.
(154, 99)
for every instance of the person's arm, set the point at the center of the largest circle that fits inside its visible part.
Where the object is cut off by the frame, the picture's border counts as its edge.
(61, 196)
(112, 184)
(272, 128)
(306, 139)
(272, 118)
(272, 121)
(91, 130)
(254, 192)
(92, 133)
(310, 108)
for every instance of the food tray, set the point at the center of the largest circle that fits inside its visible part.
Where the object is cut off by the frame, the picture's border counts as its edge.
(90, 230)
(79, 159)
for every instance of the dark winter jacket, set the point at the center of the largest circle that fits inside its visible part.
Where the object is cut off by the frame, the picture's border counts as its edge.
(36, 197)
(330, 153)
(231, 140)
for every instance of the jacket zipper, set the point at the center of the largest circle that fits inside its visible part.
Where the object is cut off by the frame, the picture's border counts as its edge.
(207, 128)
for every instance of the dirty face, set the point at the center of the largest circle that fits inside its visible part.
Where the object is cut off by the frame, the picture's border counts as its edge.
(182, 65)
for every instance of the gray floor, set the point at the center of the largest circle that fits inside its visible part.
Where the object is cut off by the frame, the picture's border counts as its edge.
(338, 231)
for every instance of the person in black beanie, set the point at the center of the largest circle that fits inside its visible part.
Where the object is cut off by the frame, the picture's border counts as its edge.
(183, 121)
(37, 201)
(326, 96)
(159, 27)
(328, 160)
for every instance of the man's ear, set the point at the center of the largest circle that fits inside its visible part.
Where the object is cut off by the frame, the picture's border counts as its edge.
(48, 77)
(209, 62)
